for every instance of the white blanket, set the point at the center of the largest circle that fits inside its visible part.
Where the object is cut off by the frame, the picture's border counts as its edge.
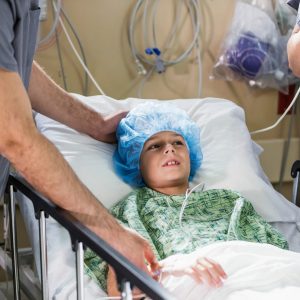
(255, 271)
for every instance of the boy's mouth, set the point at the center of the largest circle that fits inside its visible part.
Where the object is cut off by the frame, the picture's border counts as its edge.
(172, 162)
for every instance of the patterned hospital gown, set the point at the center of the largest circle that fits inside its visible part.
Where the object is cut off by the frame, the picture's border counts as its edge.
(209, 216)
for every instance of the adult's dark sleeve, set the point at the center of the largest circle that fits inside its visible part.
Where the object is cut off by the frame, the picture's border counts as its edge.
(7, 58)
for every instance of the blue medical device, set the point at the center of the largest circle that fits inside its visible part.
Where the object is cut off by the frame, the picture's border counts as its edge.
(159, 63)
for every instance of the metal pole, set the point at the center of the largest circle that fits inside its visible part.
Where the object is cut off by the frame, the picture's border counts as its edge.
(79, 271)
(13, 238)
(126, 291)
(43, 256)
(295, 188)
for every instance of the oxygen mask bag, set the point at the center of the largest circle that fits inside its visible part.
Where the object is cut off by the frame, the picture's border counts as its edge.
(254, 50)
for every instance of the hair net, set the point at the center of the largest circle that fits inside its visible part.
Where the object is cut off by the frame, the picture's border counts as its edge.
(139, 125)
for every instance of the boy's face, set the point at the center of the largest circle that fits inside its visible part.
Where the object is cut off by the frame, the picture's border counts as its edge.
(165, 163)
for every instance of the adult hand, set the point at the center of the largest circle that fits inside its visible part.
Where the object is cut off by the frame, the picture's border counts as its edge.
(107, 132)
(136, 249)
(202, 269)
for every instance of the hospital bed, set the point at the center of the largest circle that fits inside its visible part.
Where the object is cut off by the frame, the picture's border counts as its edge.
(231, 161)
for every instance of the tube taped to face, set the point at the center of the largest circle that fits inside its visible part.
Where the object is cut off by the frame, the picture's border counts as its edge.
(139, 125)
(254, 49)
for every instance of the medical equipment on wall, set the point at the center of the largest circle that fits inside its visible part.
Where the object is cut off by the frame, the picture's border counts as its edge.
(53, 37)
(157, 57)
(285, 16)
(254, 49)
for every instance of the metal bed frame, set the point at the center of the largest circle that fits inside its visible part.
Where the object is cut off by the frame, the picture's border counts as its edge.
(81, 237)
(295, 171)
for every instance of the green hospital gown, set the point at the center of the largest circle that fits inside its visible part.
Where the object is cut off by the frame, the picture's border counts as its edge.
(209, 216)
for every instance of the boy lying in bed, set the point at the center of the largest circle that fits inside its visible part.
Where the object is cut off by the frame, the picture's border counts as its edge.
(159, 152)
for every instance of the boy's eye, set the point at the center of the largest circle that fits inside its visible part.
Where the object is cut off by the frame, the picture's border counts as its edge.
(154, 146)
(178, 143)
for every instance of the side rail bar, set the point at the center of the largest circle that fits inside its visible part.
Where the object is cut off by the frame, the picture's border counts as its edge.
(295, 171)
(126, 272)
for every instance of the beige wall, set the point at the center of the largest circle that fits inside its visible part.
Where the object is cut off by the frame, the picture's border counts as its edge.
(102, 26)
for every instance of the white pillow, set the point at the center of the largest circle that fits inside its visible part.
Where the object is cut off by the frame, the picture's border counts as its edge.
(230, 157)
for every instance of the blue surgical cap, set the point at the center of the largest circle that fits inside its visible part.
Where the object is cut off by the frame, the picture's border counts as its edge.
(139, 125)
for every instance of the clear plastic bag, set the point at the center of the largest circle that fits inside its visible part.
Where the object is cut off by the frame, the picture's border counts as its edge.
(286, 17)
(254, 49)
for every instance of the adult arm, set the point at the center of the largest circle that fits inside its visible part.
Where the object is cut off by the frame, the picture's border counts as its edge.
(44, 167)
(293, 50)
(49, 99)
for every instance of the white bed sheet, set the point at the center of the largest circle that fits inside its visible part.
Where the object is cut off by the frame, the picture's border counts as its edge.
(231, 160)
(255, 271)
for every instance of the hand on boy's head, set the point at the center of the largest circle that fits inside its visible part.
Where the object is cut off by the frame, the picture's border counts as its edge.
(107, 132)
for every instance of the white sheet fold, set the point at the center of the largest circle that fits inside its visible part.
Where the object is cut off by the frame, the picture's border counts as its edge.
(255, 271)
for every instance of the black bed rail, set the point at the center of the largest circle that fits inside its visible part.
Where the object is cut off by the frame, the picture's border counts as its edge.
(124, 269)
(295, 173)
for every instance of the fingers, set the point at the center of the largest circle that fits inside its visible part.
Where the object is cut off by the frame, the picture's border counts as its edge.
(209, 271)
(218, 267)
(113, 121)
(143, 255)
(109, 138)
(109, 128)
(150, 257)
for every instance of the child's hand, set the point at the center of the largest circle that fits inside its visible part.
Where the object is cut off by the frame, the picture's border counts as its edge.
(202, 269)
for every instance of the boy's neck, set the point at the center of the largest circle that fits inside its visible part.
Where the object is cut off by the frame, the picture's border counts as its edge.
(176, 190)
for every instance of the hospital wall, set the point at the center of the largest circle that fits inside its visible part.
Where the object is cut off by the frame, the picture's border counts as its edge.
(103, 29)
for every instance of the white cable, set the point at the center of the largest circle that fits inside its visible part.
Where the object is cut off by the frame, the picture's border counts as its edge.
(281, 118)
(154, 13)
(140, 59)
(184, 203)
(197, 46)
(79, 58)
(145, 32)
(150, 62)
(142, 84)
(55, 23)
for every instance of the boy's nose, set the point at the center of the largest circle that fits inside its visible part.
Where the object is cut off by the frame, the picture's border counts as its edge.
(169, 148)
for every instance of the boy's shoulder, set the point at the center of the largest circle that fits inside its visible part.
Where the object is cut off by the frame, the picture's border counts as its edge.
(218, 193)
